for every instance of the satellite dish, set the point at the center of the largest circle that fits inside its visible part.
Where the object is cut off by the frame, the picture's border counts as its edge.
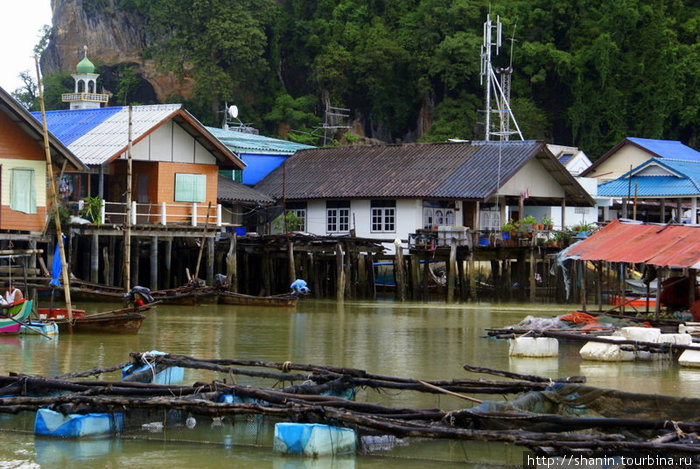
(233, 111)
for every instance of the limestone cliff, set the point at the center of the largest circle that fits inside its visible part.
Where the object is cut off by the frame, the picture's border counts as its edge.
(113, 36)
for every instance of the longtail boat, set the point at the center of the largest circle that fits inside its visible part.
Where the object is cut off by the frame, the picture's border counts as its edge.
(231, 298)
(11, 318)
(118, 321)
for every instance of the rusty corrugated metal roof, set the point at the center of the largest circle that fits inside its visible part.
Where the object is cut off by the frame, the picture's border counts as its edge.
(660, 245)
(450, 170)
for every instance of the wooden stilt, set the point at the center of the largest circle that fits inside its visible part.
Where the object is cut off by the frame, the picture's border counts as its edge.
(531, 275)
(347, 272)
(599, 285)
(168, 263)
(362, 275)
(290, 261)
(399, 272)
(106, 264)
(210, 260)
(266, 272)
(507, 280)
(659, 277)
(94, 258)
(135, 262)
(113, 260)
(153, 257)
(472, 276)
(452, 272)
(232, 263)
(340, 273)
(583, 285)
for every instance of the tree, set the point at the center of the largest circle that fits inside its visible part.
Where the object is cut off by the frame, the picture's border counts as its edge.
(28, 93)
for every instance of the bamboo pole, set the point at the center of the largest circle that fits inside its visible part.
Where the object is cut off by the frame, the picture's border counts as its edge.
(127, 225)
(201, 245)
(52, 196)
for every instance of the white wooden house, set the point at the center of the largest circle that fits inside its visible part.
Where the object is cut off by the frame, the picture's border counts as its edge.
(390, 191)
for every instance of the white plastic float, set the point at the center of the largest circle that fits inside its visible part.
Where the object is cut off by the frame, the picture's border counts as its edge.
(51, 423)
(690, 358)
(604, 352)
(312, 439)
(533, 347)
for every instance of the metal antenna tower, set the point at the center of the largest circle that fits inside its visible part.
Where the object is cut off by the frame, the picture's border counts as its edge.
(335, 118)
(499, 88)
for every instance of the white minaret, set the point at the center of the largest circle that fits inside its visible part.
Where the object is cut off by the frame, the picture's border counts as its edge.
(85, 95)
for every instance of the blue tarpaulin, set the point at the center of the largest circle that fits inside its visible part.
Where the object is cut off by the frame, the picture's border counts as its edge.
(56, 267)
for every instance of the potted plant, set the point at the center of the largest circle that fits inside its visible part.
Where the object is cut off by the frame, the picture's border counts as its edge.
(547, 222)
(529, 222)
(507, 229)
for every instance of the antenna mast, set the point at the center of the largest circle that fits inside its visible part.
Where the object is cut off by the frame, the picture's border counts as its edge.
(500, 88)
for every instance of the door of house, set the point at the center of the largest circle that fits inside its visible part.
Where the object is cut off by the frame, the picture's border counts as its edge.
(142, 198)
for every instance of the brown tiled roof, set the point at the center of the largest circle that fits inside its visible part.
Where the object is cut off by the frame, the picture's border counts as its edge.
(451, 170)
(232, 191)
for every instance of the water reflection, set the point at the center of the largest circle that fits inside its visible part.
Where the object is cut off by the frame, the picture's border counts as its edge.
(421, 340)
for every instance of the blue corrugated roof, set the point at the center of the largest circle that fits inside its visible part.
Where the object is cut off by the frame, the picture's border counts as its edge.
(242, 142)
(686, 183)
(70, 125)
(563, 159)
(667, 148)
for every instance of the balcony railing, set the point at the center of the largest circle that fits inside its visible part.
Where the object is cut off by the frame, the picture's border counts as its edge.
(192, 214)
(96, 97)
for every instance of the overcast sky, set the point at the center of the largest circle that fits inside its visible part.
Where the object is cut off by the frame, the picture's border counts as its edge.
(20, 23)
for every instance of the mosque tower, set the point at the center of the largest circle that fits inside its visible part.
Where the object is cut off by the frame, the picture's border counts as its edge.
(85, 95)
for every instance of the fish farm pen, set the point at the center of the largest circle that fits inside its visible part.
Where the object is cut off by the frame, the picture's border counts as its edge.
(546, 416)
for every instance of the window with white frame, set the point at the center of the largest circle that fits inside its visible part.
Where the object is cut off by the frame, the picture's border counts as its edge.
(22, 190)
(438, 212)
(299, 210)
(383, 213)
(190, 187)
(338, 216)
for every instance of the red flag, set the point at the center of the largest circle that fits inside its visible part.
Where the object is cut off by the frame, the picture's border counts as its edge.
(525, 194)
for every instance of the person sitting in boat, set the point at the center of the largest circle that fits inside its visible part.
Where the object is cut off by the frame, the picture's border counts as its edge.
(299, 287)
(12, 293)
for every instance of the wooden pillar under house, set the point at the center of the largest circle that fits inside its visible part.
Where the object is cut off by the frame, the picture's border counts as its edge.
(496, 276)
(452, 272)
(582, 268)
(371, 279)
(599, 285)
(621, 286)
(167, 264)
(472, 276)
(266, 272)
(679, 210)
(531, 275)
(340, 273)
(463, 279)
(291, 274)
(662, 210)
(692, 276)
(112, 255)
(414, 266)
(106, 264)
(72, 251)
(659, 278)
(135, 262)
(210, 260)
(232, 263)
(153, 258)
(316, 277)
(507, 280)
(32, 258)
(424, 278)
(362, 275)
(399, 273)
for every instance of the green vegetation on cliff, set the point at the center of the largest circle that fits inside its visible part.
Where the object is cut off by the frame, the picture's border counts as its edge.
(587, 73)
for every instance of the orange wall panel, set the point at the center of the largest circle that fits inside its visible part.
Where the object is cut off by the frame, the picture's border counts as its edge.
(14, 220)
(15, 143)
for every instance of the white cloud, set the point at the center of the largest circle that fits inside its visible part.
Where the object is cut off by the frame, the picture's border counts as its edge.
(20, 25)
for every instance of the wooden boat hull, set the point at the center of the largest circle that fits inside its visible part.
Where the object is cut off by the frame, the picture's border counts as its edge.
(128, 323)
(231, 298)
(639, 302)
(15, 315)
(186, 296)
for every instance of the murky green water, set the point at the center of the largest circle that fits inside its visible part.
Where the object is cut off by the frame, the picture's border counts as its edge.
(426, 341)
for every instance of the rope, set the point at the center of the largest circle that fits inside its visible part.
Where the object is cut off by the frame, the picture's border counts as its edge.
(286, 366)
